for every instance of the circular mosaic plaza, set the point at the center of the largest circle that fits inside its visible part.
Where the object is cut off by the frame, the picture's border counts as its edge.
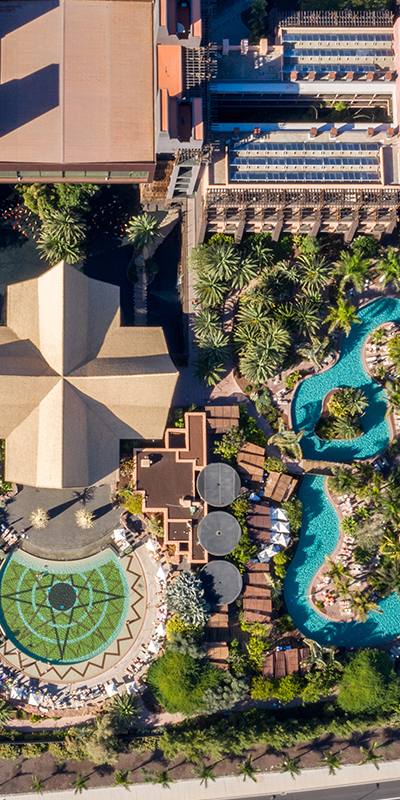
(85, 613)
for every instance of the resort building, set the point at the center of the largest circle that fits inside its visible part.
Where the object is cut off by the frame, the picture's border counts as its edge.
(92, 90)
(73, 382)
(273, 171)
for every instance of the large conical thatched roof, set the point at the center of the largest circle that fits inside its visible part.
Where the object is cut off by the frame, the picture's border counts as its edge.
(73, 382)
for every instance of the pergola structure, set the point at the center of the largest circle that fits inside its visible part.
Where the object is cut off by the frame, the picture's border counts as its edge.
(73, 382)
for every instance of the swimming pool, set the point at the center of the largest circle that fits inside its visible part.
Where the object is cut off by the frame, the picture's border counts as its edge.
(320, 529)
(319, 537)
(348, 371)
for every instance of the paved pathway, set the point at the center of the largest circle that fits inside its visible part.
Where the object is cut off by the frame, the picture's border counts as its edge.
(266, 786)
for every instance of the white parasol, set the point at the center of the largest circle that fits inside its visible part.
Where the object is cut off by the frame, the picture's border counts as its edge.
(154, 647)
(280, 527)
(162, 574)
(160, 629)
(272, 550)
(280, 538)
(278, 513)
(262, 556)
(111, 688)
(151, 545)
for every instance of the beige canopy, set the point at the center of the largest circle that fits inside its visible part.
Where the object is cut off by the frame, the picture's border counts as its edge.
(73, 382)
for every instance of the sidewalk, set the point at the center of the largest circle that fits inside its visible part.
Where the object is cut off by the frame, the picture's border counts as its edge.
(234, 787)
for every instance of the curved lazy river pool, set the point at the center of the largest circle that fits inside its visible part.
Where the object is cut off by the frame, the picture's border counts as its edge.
(320, 530)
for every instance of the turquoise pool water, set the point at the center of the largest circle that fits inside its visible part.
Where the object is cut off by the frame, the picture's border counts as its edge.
(349, 371)
(320, 529)
(319, 537)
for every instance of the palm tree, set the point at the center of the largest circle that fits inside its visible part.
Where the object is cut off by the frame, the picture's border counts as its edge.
(386, 579)
(247, 769)
(247, 269)
(62, 236)
(343, 316)
(356, 400)
(288, 441)
(6, 711)
(306, 315)
(123, 710)
(317, 656)
(361, 605)
(217, 342)
(337, 570)
(255, 313)
(221, 259)
(389, 267)
(291, 765)
(316, 351)
(343, 480)
(205, 322)
(39, 519)
(55, 250)
(121, 778)
(161, 778)
(210, 291)
(37, 785)
(142, 231)
(208, 368)
(379, 335)
(258, 247)
(260, 361)
(392, 389)
(370, 755)
(314, 271)
(353, 269)
(394, 350)
(346, 428)
(80, 783)
(205, 774)
(390, 547)
(332, 761)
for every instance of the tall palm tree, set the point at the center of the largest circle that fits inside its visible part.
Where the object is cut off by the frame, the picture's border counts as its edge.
(314, 271)
(386, 579)
(121, 778)
(343, 316)
(255, 313)
(389, 267)
(288, 441)
(316, 351)
(343, 480)
(306, 315)
(247, 769)
(210, 290)
(392, 389)
(394, 350)
(161, 778)
(247, 269)
(258, 247)
(352, 268)
(361, 605)
(37, 785)
(356, 400)
(260, 359)
(346, 428)
(290, 765)
(6, 712)
(317, 656)
(123, 710)
(216, 341)
(208, 368)
(332, 761)
(379, 335)
(80, 783)
(55, 249)
(370, 755)
(221, 259)
(390, 547)
(205, 774)
(205, 322)
(142, 231)
(337, 570)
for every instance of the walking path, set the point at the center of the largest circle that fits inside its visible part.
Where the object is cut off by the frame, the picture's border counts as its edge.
(232, 787)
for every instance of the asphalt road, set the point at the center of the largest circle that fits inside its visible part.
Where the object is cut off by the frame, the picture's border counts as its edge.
(388, 790)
